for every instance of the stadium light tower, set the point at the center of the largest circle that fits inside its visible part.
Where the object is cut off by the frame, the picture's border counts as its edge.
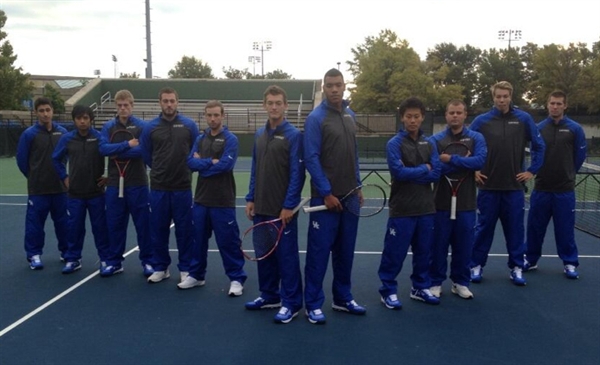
(339, 63)
(511, 34)
(262, 47)
(254, 60)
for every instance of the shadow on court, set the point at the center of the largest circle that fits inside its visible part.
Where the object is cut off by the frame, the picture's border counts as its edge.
(124, 320)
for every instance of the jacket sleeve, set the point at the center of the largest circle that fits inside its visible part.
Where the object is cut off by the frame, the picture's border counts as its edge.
(195, 163)
(294, 191)
(60, 156)
(580, 147)
(538, 146)
(227, 160)
(111, 149)
(23, 149)
(434, 174)
(312, 154)
(252, 182)
(397, 168)
(475, 161)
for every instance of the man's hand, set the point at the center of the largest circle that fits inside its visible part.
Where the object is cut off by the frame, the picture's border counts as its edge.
(196, 155)
(445, 158)
(286, 216)
(524, 177)
(333, 203)
(134, 142)
(250, 210)
(480, 178)
(102, 181)
(66, 182)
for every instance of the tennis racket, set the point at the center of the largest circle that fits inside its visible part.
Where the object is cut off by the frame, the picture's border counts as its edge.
(118, 136)
(456, 179)
(264, 237)
(374, 200)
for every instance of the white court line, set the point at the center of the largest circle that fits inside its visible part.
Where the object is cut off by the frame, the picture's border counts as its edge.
(14, 204)
(55, 299)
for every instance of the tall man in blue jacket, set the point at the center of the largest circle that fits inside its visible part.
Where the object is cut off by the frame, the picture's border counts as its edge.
(331, 157)
(47, 194)
(507, 131)
(125, 146)
(276, 182)
(414, 164)
(166, 142)
(554, 190)
(213, 155)
(456, 233)
(85, 183)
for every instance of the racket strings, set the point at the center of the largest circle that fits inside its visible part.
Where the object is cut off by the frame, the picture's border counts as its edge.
(374, 200)
(263, 238)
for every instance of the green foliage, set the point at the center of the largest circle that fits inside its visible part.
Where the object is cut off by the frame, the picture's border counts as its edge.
(235, 74)
(58, 103)
(133, 75)
(14, 85)
(191, 68)
(278, 75)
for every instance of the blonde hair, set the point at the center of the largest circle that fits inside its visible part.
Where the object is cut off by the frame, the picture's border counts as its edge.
(124, 95)
(502, 85)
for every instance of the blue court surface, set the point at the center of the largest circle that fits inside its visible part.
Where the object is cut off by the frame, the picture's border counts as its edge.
(50, 318)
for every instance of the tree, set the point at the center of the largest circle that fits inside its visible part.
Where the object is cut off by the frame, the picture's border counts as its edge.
(500, 65)
(278, 75)
(386, 71)
(588, 83)
(557, 67)
(14, 85)
(58, 103)
(233, 73)
(133, 75)
(191, 68)
(449, 66)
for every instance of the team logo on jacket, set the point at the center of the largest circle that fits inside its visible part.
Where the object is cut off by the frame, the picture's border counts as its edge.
(564, 130)
(92, 139)
(279, 137)
(57, 134)
(423, 142)
(221, 140)
(513, 122)
(178, 126)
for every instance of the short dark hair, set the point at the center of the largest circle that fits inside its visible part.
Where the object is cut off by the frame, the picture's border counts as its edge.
(274, 90)
(214, 103)
(167, 90)
(411, 103)
(42, 101)
(456, 102)
(79, 110)
(558, 94)
(334, 72)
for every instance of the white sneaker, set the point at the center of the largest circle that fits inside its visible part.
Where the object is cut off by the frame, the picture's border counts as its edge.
(190, 282)
(236, 289)
(183, 275)
(462, 291)
(436, 291)
(159, 276)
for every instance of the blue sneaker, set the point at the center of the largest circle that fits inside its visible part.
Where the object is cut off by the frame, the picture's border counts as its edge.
(424, 295)
(148, 270)
(285, 315)
(476, 274)
(528, 266)
(315, 316)
(516, 276)
(260, 303)
(350, 307)
(110, 270)
(71, 266)
(391, 302)
(571, 272)
(35, 262)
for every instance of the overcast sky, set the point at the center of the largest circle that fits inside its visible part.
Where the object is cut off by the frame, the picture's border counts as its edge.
(76, 37)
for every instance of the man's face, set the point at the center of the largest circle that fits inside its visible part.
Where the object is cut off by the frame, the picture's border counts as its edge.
(455, 115)
(168, 104)
(214, 117)
(44, 113)
(412, 119)
(83, 122)
(124, 108)
(502, 99)
(556, 107)
(334, 88)
(275, 107)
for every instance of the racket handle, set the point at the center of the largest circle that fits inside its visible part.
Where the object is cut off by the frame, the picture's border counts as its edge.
(121, 186)
(453, 208)
(302, 203)
(316, 208)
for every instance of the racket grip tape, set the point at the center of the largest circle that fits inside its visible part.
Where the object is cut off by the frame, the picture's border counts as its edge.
(316, 208)
(453, 208)
(121, 186)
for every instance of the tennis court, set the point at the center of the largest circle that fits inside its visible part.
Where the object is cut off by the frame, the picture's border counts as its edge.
(50, 318)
